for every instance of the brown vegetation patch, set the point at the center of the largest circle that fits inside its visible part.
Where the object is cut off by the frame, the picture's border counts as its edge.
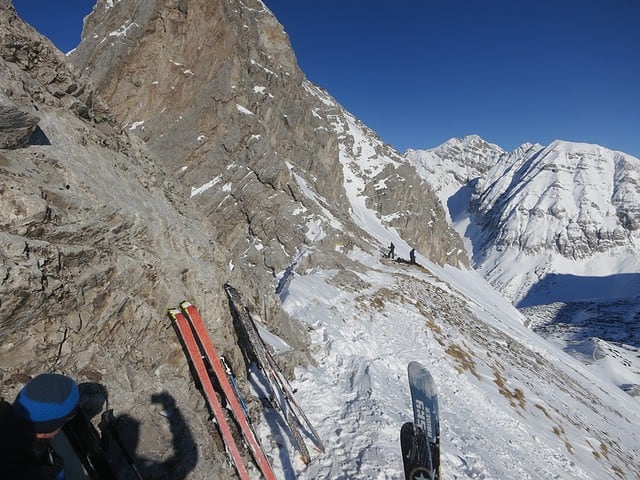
(515, 397)
(431, 324)
(464, 360)
(379, 299)
(618, 471)
(605, 450)
(544, 410)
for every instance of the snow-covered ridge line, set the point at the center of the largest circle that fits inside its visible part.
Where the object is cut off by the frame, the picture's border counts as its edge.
(569, 200)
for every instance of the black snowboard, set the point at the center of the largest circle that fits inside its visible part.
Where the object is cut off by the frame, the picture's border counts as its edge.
(415, 453)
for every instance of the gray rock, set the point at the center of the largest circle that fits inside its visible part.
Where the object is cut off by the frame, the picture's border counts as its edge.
(16, 125)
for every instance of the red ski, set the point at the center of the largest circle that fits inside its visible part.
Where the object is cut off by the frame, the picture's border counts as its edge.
(210, 394)
(220, 372)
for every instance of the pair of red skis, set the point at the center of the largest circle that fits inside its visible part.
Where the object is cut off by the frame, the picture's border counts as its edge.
(200, 350)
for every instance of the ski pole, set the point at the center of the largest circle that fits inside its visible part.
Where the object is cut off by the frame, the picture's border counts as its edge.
(108, 422)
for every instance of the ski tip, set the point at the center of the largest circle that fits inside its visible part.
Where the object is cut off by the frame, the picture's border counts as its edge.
(419, 375)
(416, 368)
(231, 292)
(414, 365)
(184, 305)
(172, 312)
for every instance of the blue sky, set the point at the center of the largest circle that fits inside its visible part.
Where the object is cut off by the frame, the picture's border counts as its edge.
(422, 71)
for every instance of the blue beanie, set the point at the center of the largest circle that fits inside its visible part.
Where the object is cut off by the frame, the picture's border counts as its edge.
(47, 401)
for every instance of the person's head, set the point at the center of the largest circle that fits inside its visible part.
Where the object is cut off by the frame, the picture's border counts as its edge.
(46, 403)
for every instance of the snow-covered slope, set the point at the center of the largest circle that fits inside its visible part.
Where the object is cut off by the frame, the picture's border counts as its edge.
(512, 404)
(574, 206)
(555, 229)
(569, 208)
(455, 164)
(274, 200)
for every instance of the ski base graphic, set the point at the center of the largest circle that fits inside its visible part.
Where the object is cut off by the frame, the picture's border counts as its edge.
(420, 440)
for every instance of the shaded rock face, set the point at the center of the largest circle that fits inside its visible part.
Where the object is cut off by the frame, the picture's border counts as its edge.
(49, 187)
(16, 125)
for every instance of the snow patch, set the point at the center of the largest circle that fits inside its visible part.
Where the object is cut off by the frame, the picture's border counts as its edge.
(244, 110)
(199, 190)
(122, 31)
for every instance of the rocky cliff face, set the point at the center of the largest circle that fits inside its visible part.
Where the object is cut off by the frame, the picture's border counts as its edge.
(182, 150)
(88, 257)
(214, 90)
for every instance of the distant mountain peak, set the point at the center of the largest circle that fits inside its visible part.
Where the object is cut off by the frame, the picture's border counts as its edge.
(570, 200)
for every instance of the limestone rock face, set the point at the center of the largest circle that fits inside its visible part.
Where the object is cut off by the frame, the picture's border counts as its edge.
(16, 125)
(92, 254)
(183, 148)
(46, 76)
(214, 90)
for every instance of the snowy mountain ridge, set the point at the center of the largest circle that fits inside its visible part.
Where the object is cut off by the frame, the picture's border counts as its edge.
(512, 405)
(572, 206)
(555, 229)
(217, 161)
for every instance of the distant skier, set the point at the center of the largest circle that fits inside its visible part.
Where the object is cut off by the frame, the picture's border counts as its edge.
(412, 256)
(392, 249)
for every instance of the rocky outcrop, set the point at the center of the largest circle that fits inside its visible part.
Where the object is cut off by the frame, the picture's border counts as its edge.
(36, 75)
(16, 125)
(214, 90)
(92, 252)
